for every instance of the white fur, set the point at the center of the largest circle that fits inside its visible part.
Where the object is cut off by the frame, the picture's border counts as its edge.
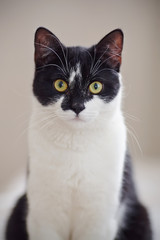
(76, 167)
(72, 76)
(74, 72)
(78, 70)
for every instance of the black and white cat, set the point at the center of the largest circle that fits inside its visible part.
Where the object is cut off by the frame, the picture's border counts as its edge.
(80, 184)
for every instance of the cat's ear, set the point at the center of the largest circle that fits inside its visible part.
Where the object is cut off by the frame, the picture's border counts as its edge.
(109, 49)
(46, 46)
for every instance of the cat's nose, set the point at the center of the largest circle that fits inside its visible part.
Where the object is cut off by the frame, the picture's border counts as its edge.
(77, 107)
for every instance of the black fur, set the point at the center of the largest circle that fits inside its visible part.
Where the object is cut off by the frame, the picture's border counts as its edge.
(136, 224)
(16, 227)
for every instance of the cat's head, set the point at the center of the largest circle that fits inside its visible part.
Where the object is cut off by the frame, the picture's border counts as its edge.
(78, 85)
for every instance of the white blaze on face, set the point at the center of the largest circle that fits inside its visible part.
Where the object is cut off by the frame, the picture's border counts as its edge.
(78, 70)
(75, 72)
(72, 76)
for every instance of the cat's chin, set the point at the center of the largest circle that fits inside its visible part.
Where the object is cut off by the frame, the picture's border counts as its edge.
(71, 120)
(79, 123)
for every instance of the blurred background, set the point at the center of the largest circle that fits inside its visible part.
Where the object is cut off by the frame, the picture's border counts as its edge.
(81, 22)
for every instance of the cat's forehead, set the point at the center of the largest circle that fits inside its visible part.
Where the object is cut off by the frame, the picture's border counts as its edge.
(75, 72)
(79, 61)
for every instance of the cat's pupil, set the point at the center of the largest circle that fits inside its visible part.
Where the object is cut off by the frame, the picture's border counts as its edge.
(60, 84)
(96, 86)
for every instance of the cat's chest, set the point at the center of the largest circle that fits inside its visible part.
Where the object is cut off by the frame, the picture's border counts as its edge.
(77, 162)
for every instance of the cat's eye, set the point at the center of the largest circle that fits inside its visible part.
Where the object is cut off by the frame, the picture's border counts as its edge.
(95, 87)
(60, 85)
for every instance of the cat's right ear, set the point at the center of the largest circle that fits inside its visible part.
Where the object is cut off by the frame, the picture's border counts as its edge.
(46, 46)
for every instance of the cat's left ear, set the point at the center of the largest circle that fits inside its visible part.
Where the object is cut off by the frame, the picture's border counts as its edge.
(46, 46)
(109, 49)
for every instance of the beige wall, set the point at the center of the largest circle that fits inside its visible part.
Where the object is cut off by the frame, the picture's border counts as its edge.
(78, 23)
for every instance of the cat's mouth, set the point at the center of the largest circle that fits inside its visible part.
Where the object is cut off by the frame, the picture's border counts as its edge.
(82, 118)
(77, 119)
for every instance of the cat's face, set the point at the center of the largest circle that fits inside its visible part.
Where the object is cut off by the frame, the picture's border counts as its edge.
(77, 85)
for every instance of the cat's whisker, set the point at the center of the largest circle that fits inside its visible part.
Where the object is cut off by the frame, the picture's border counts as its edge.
(62, 47)
(37, 123)
(133, 135)
(47, 124)
(104, 69)
(49, 116)
(97, 77)
(98, 61)
(129, 116)
(52, 50)
(113, 55)
(49, 65)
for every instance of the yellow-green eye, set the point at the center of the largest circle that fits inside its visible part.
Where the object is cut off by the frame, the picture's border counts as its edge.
(95, 87)
(60, 85)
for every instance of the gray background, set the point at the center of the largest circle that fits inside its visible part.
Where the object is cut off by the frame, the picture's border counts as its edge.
(82, 23)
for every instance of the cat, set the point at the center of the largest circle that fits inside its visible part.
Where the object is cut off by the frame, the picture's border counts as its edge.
(80, 181)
